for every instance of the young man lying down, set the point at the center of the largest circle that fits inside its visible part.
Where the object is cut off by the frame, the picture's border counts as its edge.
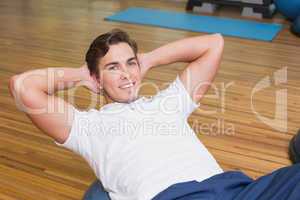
(143, 148)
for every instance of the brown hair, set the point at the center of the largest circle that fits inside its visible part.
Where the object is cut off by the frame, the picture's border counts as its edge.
(100, 47)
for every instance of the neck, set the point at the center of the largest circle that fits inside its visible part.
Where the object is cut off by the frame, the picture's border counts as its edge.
(108, 99)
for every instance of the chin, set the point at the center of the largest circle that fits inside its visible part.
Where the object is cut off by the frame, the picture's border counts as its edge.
(129, 99)
(122, 96)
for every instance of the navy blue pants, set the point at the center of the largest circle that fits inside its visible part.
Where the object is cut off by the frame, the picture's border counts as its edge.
(282, 184)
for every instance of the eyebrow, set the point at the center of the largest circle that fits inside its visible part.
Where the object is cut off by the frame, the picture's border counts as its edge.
(114, 63)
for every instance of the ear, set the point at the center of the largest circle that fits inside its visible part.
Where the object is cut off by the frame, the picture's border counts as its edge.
(97, 80)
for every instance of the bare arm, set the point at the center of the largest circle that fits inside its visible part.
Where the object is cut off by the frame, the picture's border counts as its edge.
(203, 53)
(34, 90)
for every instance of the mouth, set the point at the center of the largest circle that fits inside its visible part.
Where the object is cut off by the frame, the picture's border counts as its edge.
(127, 85)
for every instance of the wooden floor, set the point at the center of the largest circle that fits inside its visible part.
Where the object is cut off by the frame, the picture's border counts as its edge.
(39, 34)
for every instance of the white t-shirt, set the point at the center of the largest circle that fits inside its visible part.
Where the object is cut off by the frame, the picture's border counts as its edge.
(139, 149)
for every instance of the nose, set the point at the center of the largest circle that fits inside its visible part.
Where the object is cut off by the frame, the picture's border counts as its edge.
(125, 74)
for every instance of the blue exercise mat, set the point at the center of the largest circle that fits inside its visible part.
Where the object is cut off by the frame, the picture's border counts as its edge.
(176, 20)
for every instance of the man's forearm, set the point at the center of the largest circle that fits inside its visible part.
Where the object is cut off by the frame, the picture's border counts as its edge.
(184, 50)
(46, 80)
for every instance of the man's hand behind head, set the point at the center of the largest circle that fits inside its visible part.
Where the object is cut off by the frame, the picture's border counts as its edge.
(89, 81)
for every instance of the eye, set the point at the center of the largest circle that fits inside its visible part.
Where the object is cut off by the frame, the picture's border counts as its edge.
(113, 67)
(132, 63)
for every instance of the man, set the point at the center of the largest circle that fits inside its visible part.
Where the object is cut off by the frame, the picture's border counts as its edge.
(141, 148)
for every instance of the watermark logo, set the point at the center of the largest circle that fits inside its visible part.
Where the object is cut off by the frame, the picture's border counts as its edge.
(172, 100)
(279, 122)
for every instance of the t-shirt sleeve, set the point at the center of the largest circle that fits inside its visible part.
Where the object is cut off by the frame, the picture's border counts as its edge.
(78, 139)
(177, 99)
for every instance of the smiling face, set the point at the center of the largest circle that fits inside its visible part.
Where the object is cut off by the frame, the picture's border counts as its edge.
(120, 74)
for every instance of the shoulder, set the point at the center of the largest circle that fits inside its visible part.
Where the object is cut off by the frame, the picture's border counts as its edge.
(176, 97)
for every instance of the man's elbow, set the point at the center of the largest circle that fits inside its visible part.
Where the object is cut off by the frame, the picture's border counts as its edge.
(25, 95)
(12, 85)
(17, 88)
(218, 41)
